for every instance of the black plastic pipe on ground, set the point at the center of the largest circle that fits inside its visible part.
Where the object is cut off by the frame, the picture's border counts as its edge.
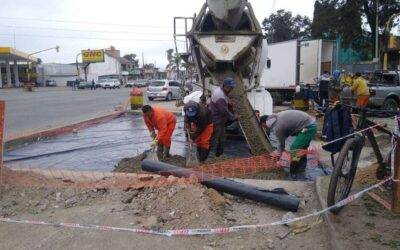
(277, 199)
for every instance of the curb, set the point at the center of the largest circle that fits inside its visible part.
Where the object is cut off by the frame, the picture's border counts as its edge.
(30, 137)
(139, 112)
(331, 228)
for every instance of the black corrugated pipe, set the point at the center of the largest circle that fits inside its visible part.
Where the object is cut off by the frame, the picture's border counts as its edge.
(278, 198)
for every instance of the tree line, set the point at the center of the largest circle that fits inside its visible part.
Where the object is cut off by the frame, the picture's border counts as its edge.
(331, 19)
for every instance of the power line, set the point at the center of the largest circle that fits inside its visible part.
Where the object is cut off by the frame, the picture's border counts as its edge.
(88, 38)
(83, 30)
(84, 22)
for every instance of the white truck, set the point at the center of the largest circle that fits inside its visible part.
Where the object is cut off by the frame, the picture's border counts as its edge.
(296, 62)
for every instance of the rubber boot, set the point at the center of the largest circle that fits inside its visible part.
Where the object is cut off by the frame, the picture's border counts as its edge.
(166, 153)
(297, 168)
(220, 150)
(202, 154)
(160, 152)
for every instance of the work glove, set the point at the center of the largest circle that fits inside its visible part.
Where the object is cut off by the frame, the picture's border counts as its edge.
(153, 135)
(276, 154)
(154, 143)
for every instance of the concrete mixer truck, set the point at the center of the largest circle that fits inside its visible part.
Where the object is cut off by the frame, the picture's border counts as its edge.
(225, 40)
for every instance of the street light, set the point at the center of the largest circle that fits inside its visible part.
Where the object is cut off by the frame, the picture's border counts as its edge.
(57, 48)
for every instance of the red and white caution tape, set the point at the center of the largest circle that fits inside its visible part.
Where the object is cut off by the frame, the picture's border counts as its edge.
(193, 232)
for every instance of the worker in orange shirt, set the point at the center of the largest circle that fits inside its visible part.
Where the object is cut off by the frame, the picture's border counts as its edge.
(164, 122)
(198, 123)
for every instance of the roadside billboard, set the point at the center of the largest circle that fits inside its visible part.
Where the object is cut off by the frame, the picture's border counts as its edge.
(92, 56)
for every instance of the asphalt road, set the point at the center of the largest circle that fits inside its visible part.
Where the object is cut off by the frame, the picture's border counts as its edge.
(49, 107)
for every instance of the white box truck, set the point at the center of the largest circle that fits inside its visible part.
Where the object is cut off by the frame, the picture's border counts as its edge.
(296, 62)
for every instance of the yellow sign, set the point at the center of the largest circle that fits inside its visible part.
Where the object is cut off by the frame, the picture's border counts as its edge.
(90, 56)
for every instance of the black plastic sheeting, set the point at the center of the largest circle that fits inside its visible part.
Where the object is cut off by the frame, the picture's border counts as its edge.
(101, 147)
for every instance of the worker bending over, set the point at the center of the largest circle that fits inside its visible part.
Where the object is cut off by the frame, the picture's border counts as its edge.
(291, 123)
(163, 121)
(198, 122)
(221, 113)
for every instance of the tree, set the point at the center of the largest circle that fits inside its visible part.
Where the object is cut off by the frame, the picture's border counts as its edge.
(132, 59)
(283, 26)
(149, 66)
(350, 18)
(174, 60)
(386, 8)
(324, 24)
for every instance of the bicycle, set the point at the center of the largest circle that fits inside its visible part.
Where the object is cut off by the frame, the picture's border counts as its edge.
(345, 167)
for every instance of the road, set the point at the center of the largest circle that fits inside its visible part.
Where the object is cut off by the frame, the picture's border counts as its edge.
(49, 107)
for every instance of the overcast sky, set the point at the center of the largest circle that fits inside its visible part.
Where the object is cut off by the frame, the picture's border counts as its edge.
(130, 25)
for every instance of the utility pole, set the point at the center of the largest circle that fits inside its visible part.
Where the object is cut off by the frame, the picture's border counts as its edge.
(377, 30)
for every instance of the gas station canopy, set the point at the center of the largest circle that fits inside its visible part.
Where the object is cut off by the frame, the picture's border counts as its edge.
(10, 54)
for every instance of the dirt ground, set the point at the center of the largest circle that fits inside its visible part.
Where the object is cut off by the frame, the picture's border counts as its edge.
(159, 203)
(133, 165)
(365, 224)
(169, 207)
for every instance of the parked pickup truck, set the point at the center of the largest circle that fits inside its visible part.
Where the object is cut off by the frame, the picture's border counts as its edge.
(384, 90)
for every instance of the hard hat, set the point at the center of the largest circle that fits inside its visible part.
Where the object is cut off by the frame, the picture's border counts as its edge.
(191, 111)
(229, 82)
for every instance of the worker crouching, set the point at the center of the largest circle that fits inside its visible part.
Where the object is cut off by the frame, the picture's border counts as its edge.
(198, 124)
(164, 122)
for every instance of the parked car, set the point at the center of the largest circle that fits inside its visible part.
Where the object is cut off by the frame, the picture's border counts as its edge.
(84, 85)
(384, 90)
(111, 84)
(129, 84)
(165, 89)
(71, 83)
(51, 83)
(142, 83)
(99, 83)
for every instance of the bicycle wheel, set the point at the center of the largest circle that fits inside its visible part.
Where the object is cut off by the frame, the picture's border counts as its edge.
(344, 172)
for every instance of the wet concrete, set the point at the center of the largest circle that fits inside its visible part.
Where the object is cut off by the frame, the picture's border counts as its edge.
(97, 148)
(100, 148)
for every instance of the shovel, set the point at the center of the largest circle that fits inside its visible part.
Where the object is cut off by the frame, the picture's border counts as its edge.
(152, 154)
(191, 157)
